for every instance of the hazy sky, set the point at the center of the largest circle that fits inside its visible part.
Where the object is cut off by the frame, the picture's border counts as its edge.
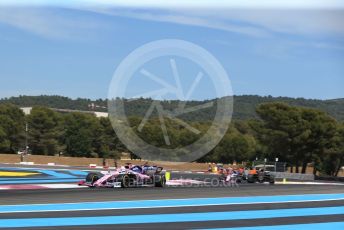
(73, 51)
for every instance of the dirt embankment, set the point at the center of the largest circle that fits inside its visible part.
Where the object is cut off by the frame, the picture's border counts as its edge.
(83, 161)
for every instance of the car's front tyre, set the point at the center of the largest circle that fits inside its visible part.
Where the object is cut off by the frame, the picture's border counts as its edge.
(92, 177)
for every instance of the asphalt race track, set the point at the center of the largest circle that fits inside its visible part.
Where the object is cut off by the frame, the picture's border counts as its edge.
(119, 194)
(247, 206)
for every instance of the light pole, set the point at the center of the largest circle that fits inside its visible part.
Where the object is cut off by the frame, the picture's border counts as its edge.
(26, 141)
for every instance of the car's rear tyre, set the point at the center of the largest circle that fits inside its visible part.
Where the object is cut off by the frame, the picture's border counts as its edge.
(125, 181)
(251, 178)
(159, 181)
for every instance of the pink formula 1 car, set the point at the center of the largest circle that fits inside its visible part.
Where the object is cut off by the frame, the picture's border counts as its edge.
(134, 176)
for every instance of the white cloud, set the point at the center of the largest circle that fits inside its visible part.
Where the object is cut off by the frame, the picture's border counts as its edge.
(314, 24)
(46, 23)
(185, 19)
(252, 22)
(306, 22)
(205, 4)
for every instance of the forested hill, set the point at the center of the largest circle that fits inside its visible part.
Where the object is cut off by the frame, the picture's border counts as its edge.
(244, 106)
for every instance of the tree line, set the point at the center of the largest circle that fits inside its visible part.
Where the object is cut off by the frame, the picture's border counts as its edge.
(297, 135)
(51, 133)
(244, 106)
